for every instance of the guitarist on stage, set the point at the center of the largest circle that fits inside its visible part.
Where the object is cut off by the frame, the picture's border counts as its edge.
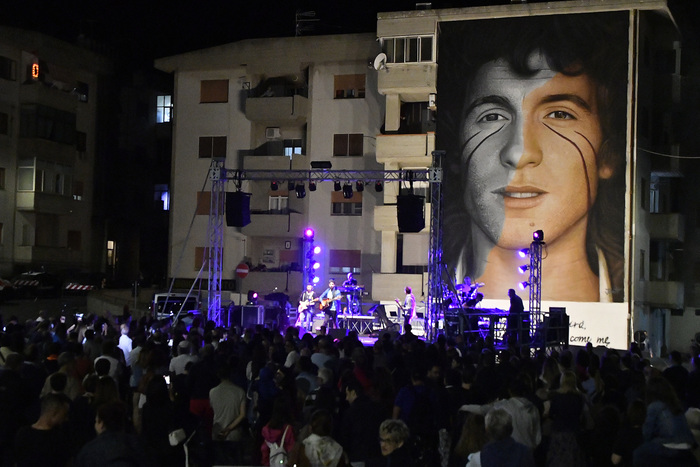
(305, 310)
(409, 306)
(330, 304)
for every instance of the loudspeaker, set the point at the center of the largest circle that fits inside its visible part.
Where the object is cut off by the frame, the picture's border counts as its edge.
(252, 315)
(237, 209)
(410, 212)
(337, 333)
(557, 326)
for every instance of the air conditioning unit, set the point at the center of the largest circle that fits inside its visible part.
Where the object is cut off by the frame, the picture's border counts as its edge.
(272, 132)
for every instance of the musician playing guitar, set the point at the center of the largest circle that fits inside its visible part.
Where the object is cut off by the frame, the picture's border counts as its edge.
(330, 304)
(305, 310)
(409, 306)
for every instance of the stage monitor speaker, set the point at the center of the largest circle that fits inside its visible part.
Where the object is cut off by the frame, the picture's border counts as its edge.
(237, 209)
(252, 315)
(410, 212)
(558, 326)
(338, 333)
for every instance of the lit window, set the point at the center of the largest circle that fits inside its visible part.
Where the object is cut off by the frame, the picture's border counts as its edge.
(78, 190)
(278, 204)
(164, 108)
(161, 196)
(292, 147)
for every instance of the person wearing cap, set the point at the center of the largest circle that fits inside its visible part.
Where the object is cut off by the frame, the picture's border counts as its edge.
(177, 364)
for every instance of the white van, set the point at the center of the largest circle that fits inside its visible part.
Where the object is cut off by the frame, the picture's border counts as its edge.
(166, 305)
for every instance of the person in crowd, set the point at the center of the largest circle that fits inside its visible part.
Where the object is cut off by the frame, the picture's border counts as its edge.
(319, 449)
(629, 437)
(360, 422)
(502, 449)
(113, 445)
(279, 427)
(667, 436)
(228, 401)
(45, 442)
(393, 443)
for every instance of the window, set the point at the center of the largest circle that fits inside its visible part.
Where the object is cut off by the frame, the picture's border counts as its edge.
(203, 203)
(164, 108)
(278, 203)
(83, 90)
(212, 91)
(161, 197)
(8, 69)
(25, 178)
(292, 147)
(4, 123)
(349, 86)
(81, 144)
(348, 144)
(40, 121)
(344, 261)
(2, 178)
(78, 190)
(212, 146)
(341, 206)
(74, 240)
(412, 49)
(111, 252)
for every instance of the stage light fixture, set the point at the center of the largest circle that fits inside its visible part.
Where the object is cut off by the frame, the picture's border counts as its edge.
(524, 252)
(309, 233)
(316, 279)
(378, 187)
(252, 297)
(317, 250)
(523, 285)
(523, 269)
(316, 265)
(538, 236)
(312, 186)
(274, 186)
(290, 185)
(359, 186)
(300, 191)
(336, 185)
(347, 191)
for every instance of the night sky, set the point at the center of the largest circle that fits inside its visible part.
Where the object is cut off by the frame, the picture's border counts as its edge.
(149, 29)
(142, 30)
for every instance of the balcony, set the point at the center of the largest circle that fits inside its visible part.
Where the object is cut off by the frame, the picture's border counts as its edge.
(49, 151)
(277, 111)
(46, 255)
(406, 150)
(44, 203)
(271, 224)
(664, 294)
(414, 82)
(38, 93)
(667, 227)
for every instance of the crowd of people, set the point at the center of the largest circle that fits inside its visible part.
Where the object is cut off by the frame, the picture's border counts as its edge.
(105, 391)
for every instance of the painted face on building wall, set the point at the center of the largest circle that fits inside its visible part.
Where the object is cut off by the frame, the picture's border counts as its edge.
(529, 153)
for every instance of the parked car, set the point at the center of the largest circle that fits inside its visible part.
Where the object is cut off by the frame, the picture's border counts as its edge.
(37, 284)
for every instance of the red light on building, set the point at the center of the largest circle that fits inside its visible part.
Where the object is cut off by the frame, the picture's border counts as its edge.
(35, 71)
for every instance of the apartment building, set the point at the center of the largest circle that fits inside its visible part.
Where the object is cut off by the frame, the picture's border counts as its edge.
(48, 137)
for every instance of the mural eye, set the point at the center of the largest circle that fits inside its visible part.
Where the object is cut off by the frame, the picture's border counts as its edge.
(560, 115)
(491, 117)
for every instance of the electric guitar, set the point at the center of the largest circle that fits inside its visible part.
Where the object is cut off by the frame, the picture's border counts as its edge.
(400, 305)
(304, 305)
(327, 302)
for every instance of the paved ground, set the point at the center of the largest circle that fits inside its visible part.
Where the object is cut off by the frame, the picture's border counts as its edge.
(28, 308)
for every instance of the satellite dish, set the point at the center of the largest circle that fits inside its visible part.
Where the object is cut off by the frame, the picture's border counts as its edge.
(380, 62)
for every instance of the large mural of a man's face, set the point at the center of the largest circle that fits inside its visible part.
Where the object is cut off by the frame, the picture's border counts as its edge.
(530, 146)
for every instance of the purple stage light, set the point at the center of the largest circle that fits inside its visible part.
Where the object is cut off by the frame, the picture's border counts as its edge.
(309, 233)
(317, 250)
(316, 279)
(523, 285)
(316, 265)
(523, 253)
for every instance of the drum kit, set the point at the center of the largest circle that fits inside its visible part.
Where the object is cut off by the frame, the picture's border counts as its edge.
(353, 294)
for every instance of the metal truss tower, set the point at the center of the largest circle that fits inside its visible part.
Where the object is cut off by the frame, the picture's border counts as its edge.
(435, 289)
(215, 233)
(535, 285)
